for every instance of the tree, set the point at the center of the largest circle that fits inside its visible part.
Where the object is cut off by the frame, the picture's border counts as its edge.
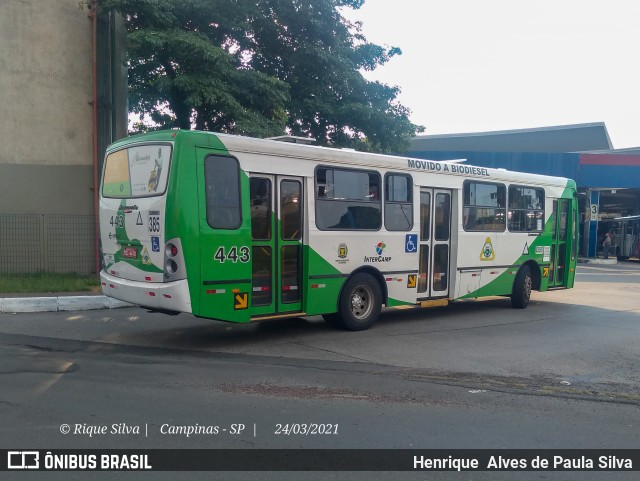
(183, 71)
(260, 68)
(309, 45)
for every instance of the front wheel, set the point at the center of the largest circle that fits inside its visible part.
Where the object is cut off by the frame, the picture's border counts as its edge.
(522, 288)
(360, 303)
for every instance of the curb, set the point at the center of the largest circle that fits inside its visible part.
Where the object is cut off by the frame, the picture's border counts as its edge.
(12, 305)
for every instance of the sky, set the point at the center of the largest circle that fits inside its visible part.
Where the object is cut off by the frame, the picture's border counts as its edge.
(484, 65)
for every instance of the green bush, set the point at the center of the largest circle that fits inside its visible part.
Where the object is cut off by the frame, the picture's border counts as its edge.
(45, 283)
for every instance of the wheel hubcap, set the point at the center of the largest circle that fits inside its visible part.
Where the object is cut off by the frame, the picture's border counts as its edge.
(361, 302)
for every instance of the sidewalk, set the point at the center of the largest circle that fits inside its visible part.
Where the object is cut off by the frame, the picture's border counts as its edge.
(597, 260)
(55, 302)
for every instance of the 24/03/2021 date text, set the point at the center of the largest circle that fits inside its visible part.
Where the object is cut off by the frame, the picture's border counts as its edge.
(304, 429)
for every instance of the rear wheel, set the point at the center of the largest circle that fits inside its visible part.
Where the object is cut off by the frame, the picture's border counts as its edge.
(360, 303)
(522, 288)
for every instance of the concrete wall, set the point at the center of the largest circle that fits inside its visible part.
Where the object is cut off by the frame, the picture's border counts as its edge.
(46, 189)
(46, 122)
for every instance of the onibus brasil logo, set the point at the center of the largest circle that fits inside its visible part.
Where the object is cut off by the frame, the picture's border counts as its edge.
(380, 247)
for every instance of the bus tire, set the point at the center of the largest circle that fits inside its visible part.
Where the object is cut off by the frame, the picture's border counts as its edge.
(522, 288)
(360, 303)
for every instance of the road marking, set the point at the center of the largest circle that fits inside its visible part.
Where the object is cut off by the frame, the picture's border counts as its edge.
(607, 269)
(630, 273)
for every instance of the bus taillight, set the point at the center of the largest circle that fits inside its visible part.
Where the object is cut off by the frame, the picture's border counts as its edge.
(171, 267)
(172, 250)
(173, 260)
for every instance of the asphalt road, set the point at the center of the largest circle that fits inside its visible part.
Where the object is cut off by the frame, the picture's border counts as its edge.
(562, 373)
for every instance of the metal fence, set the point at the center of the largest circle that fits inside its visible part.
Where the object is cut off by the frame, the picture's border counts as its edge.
(56, 243)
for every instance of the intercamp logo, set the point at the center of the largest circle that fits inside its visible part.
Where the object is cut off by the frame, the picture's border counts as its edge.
(380, 247)
(23, 460)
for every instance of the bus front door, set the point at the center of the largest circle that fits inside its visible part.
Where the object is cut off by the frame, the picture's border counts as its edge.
(276, 204)
(557, 269)
(435, 244)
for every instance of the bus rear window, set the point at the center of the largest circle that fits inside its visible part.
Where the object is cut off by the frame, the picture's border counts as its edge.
(139, 171)
(222, 183)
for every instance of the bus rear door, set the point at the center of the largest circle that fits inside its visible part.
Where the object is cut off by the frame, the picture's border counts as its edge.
(277, 229)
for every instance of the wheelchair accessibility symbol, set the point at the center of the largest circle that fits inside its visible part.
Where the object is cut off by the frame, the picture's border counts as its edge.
(411, 243)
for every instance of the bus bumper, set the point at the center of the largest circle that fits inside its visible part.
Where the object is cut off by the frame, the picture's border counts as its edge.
(169, 296)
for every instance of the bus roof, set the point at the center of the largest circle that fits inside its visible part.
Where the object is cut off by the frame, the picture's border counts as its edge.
(240, 144)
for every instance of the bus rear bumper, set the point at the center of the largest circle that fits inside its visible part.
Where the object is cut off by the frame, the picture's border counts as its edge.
(168, 296)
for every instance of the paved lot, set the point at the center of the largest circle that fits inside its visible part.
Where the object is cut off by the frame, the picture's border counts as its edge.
(561, 374)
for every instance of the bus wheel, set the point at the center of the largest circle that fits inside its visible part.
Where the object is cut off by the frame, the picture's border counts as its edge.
(522, 288)
(360, 303)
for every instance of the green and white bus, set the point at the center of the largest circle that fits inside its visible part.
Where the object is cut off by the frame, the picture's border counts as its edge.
(240, 229)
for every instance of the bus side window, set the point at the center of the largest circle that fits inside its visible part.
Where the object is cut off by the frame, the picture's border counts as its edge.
(526, 209)
(398, 202)
(348, 199)
(484, 206)
(260, 197)
(222, 188)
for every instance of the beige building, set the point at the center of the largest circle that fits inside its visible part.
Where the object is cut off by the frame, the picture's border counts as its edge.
(48, 123)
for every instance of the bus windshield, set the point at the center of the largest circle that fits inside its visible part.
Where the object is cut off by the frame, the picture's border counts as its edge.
(138, 171)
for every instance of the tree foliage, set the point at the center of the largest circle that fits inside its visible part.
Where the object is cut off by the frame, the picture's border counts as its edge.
(260, 68)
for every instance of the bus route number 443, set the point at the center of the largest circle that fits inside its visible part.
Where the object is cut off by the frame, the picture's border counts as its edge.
(234, 254)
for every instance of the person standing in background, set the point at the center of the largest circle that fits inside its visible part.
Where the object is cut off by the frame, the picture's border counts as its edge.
(606, 244)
